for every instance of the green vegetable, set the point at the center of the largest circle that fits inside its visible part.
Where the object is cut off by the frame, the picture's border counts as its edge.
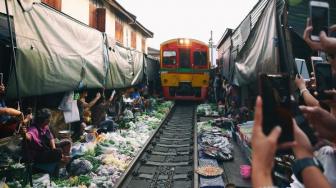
(98, 150)
(95, 162)
(84, 180)
(90, 152)
(111, 142)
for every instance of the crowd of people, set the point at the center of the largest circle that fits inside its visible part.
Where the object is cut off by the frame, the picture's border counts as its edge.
(315, 163)
(310, 168)
(40, 145)
(226, 97)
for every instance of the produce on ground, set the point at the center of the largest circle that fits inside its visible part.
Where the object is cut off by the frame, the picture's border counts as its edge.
(207, 110)
(101, 163)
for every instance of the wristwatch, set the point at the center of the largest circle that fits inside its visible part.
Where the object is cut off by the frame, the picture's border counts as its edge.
(300, 164)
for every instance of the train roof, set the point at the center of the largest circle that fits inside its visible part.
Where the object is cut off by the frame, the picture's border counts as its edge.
(176, 39)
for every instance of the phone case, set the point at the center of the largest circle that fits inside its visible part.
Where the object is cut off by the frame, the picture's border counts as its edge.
(274, 90)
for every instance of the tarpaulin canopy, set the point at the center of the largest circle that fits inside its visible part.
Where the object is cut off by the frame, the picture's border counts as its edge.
(55, 53)
(152, 69)
(126, 66)
(259, 53)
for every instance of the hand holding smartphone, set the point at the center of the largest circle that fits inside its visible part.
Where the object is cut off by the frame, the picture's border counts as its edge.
(302, 69)
(319, 14)
(274, 90)
(324, 80)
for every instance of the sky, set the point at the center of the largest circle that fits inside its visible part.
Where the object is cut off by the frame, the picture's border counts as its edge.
(169, 19)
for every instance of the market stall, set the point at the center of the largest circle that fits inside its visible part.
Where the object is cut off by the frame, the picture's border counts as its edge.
(220, 157)
(100, 160)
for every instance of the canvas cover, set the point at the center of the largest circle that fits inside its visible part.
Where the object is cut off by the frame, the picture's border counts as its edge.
(152, 69)
(56, 53)
(126, 66)
(260, 53)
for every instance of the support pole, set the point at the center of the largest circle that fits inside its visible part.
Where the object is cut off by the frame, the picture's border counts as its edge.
(13, 52)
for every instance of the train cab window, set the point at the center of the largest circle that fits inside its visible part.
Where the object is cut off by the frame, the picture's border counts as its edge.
(169, 57)
(184, 58)
(200, 58)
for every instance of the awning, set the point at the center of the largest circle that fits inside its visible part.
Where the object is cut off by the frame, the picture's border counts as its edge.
(260, 52)
(55, 53)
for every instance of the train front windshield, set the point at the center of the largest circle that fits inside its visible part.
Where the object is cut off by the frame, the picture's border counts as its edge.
(200, 58)
(169, 57)
(184, 58)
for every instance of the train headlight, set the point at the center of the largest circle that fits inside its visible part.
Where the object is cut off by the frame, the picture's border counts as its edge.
(181, 41)
(184, 41)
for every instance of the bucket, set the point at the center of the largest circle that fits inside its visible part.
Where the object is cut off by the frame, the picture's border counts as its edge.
(64, 134)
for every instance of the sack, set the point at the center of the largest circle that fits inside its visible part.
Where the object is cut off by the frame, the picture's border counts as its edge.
(73, 114)
(66, 103)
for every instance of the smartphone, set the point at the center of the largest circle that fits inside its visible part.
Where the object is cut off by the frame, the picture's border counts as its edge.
(302, 69)
(324, 80)
(319, 14)
(275, 92)
(315, 60)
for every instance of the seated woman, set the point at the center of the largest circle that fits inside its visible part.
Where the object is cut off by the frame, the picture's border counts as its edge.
(41, 147)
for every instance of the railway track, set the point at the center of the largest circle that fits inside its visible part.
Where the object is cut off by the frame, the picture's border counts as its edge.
(167, 160)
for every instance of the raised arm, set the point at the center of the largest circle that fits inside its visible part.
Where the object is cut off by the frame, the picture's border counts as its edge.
(310, 175)
(10, 111)
(90, 104)
(308, 98)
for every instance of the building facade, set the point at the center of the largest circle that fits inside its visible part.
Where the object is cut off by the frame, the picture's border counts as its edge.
(223, 53)
(106, 16)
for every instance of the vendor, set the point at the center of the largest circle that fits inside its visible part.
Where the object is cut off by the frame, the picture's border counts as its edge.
(127, 96)
(10, 117)
(41, 143)
(138, 101)
(99, 112)
(78, 127)
(233, 110)
(127, 100)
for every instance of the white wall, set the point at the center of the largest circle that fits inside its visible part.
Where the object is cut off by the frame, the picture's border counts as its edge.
(127, 35)
(78, 9)
(110, 23)
(3, 7)
(138, 41)
(146, 47)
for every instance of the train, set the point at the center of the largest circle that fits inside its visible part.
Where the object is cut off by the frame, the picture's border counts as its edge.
(184, 69)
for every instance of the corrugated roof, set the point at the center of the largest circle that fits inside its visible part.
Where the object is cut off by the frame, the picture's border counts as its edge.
(225, 35)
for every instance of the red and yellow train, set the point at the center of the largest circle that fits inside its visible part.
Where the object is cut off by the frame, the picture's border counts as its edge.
(184, 69)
